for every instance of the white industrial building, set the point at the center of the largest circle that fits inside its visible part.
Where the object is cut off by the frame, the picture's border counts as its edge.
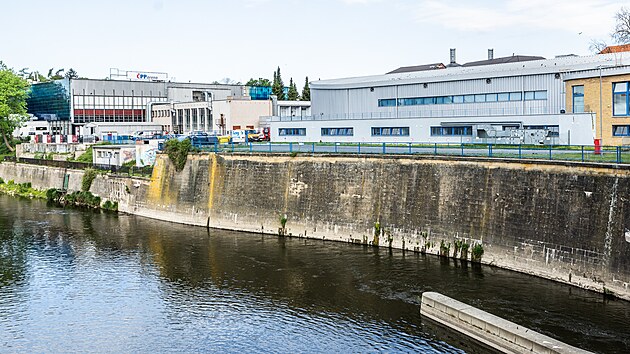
(510, 100)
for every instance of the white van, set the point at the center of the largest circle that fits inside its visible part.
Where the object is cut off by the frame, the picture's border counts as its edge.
(238, 136)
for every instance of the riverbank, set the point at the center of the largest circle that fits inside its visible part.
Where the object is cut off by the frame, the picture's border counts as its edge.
(560, 221)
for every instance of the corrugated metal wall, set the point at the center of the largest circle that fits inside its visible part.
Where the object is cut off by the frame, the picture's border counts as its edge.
(364, 101)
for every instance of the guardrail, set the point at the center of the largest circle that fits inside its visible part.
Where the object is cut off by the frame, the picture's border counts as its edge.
(128, 170)
(579, 153)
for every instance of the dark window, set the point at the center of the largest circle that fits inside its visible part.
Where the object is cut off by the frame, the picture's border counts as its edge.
(465, 130)
(578, 99)
(389, 102)
(337, 131)
(292, 131)
(390, 131)
(621, 130)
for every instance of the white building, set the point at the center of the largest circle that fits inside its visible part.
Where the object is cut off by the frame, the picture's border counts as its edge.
(495, 100)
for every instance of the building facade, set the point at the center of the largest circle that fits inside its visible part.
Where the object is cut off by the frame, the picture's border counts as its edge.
(497, 100)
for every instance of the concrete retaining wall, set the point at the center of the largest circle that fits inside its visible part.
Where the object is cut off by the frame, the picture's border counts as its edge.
(489, 329)
(566, 222)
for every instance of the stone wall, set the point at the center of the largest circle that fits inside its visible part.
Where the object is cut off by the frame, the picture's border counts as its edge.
(561, 221)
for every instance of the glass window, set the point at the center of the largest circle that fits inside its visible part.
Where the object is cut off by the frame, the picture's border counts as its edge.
(502, 97)
(578, 99)
(621, 103)
(620, 87)
(540, 95)
(516, 96)
(480, 98)
(469, 98)
(390, 102)
(621, 130)
(448, 99)
(458, 99)
(529, 95)
(389, 131)
(491, 97)
(337, 131)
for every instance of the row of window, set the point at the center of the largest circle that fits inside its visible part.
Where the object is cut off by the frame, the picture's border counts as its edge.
(465, 130)
(476, 98)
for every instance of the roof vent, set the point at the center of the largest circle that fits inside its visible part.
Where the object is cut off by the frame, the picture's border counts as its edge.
(453, 58)
(490, 54)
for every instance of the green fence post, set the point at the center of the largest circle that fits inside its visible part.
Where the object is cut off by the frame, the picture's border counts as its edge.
(462, 146)
(550, 152)
(383, 148)
(435, 149)
(489, 150)
(618, 154)
(409, 148)
(359, 148)
(313, 148)
(582, 153)
(520, 151)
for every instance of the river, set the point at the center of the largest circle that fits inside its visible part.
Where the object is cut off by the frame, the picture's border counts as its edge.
(82, 281)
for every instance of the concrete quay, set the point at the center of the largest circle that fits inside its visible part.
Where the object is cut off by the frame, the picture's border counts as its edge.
(489, 329)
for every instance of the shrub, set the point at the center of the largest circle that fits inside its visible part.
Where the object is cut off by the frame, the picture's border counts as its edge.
(109, 205)
(88, 177)
(177, 152)
(476, 253)
(54, 195)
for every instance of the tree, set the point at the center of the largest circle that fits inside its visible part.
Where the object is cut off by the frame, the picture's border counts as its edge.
(621, 34)
(258, 82)
(13, 94)
(293, 94)
(597, 45)
(71, 74)
(278, 86)
(306, 91)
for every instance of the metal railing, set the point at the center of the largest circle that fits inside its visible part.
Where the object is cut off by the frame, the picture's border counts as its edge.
(125, 170)
(575, 153)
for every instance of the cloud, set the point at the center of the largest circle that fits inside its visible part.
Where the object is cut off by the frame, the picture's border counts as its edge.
(353, 2)
(593, 17)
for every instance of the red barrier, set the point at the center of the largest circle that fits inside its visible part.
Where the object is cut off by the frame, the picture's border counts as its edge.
(598, 146)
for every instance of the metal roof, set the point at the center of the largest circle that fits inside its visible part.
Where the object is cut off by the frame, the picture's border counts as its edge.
(424, 67)
(511, 59)
(560, 65)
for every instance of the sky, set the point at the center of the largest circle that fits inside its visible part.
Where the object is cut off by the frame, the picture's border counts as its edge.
(208, 40)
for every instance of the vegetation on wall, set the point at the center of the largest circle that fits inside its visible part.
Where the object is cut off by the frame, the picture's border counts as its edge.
(476, 253)
(177, 152)
(20, 189)
(89, 174)
(13, 95)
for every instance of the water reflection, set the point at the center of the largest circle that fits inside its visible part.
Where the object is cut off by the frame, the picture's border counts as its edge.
(79, 280)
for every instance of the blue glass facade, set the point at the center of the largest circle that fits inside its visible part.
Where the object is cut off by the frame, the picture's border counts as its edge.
(50, 100)
(259, 92)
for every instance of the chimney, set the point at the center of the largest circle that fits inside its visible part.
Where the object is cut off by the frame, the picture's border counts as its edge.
(453, 61)
(490, 54)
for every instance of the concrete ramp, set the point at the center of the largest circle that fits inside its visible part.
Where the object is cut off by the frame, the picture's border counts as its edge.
(489, 329)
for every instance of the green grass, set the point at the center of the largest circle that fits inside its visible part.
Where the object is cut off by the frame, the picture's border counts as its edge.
(21, 189)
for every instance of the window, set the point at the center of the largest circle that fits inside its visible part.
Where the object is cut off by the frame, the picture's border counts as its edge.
(389, 102)
(578, 99)
(502, 97)
(516, 96)
(337, 131)
(621, 104)
(535, 95)
(388, 131)
(292, 131)
(621, 130)
(452, 131)
(480, 98)
(491, 97)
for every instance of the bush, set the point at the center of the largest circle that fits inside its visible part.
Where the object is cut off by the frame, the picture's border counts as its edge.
(54, 194)
(177, 152)
(83, 198)
(109, 205)
(88, 177)
(476, 253)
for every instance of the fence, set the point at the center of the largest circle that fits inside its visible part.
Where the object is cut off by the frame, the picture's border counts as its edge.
(128, 170)
(580, 153)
